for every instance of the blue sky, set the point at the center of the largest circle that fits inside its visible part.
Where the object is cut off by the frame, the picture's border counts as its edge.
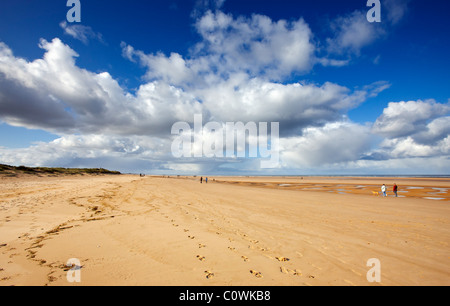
(351, 97)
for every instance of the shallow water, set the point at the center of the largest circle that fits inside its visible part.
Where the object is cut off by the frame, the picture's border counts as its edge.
(431, 198)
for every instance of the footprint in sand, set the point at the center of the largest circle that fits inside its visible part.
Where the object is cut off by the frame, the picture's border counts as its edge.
(245, 258)
(209, 274)
(31, 254)
(201, 258)
(191, 237)
(256, 273)
(289, 271)
(201, 246)
(282, 258)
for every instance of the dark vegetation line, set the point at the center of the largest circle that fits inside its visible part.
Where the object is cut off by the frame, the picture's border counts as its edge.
(11, 170)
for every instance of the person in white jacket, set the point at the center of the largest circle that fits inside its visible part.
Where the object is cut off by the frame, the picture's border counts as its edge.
(383, 190)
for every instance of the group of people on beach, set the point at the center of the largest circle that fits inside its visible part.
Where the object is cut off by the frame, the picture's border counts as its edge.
(394, 189)
(201, 180)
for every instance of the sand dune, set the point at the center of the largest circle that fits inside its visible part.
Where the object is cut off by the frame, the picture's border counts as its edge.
(128, 230)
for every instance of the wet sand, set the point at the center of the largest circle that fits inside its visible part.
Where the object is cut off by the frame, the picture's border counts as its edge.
(427, 188)
(128, 230)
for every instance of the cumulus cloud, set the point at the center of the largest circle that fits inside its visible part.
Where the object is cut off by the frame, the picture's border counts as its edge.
(257, 46)
(236, 67)
(241, 97)
(435, 131)
(335, 143)
(68, 99)
(172, 70)
(114, 152)
(402, 119)
(229, 84)
(295, 105)
(408, 147)
(237, 72)
(414, 129)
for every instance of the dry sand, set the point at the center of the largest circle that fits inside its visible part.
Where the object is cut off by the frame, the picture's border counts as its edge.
(128, 230)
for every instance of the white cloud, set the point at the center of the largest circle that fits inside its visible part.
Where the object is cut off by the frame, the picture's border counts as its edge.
(401, 119)
(68, 99)
(335, 143)
(234, 70)
(80, 32)
(407, 147)
(235, 73)
(128, 52)
(435, 131)
(294, 105)
(414, 129)
(396, 9)
(54, 94)
(172, 70)
(202, 6)
(113, 152)
(256, 46)
(438, 165)
(352, 33)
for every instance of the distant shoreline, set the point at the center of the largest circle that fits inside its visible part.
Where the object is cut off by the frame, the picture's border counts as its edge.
(12, 170)
(310, 176)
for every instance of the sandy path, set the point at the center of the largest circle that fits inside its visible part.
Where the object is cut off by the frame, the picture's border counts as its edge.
(127, 230)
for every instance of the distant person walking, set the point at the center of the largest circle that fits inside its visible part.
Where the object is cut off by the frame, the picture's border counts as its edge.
(201, 180)
(383, 190)
(395, 189)
(206, 180)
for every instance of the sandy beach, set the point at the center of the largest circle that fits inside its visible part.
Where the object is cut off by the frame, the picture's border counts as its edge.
(278, 231)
